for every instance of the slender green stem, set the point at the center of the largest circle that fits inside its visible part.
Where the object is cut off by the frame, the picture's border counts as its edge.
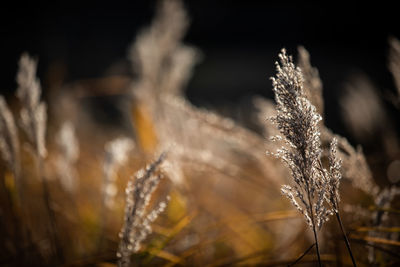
(346, 240)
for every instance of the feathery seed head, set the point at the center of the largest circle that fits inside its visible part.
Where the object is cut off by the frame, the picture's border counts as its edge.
(138, 219)
(297, 121)
(9, 143)
(33, 111)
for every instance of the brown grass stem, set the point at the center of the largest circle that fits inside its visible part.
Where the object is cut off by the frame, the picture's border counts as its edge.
(314, 230)
(302, 255)
(50, 212)
(346, 240)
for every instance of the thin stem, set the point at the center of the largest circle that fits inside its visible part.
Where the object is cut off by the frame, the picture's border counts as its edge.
(346, 240)
(316, 246)
(310, 203)
(50, 211)
(302, 255)
(312, 215)
(16, 222)
(313, 227)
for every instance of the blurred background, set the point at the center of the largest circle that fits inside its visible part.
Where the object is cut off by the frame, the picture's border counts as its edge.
(223, 188)
(239, 39)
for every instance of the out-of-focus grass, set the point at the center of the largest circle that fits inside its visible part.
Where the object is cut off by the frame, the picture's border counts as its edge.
(225, 208)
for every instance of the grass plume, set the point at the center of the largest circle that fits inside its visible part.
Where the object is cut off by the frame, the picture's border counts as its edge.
(138, 219)
(297, 121)
(9, 142)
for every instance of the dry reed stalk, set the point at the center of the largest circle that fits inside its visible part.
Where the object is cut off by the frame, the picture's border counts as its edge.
(297, 121)
(315, 192)
(333, 198)
(9, 143)
(33, 122)
(9, 150)
(138, 217)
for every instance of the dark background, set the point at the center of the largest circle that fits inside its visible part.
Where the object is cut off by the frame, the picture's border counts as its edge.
(240, 41)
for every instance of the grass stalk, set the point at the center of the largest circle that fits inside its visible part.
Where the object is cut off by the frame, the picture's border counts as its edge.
(50, 212)
(346, 240)
(314, 230)
(302, 255)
